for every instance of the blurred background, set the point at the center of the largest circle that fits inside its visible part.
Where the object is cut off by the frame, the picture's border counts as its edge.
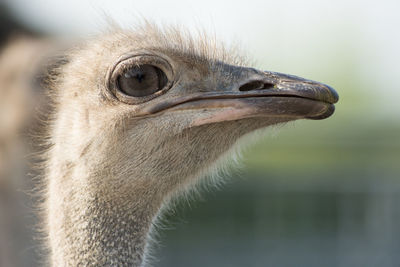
(313, 193)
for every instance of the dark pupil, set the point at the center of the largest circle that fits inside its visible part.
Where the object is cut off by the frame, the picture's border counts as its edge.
(140, 77)
(142, 80)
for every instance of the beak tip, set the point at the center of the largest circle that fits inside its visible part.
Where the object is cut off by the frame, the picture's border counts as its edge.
(334, 94)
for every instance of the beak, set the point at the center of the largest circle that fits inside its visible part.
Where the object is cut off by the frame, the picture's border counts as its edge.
(256, 94)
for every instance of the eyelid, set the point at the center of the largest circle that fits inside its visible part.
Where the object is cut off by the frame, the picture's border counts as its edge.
(126, 62)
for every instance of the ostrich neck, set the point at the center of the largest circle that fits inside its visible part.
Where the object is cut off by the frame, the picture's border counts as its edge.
(102, 197)
(88, 226)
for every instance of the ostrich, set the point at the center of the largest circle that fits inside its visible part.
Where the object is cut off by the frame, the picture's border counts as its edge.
(139, 117)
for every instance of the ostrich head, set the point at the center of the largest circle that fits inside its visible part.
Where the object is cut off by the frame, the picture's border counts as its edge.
(141, 115)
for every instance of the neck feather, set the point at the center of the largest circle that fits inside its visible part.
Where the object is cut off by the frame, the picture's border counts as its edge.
(90, 227)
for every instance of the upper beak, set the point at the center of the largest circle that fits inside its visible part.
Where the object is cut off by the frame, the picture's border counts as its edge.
(257, 94)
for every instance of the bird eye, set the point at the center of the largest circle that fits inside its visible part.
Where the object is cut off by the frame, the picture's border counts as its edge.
(142, 80)
(136, 79)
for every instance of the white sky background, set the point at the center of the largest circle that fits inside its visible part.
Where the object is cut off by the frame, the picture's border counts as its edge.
(318, 39)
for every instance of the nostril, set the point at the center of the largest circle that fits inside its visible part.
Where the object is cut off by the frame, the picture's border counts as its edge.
(255, 85)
